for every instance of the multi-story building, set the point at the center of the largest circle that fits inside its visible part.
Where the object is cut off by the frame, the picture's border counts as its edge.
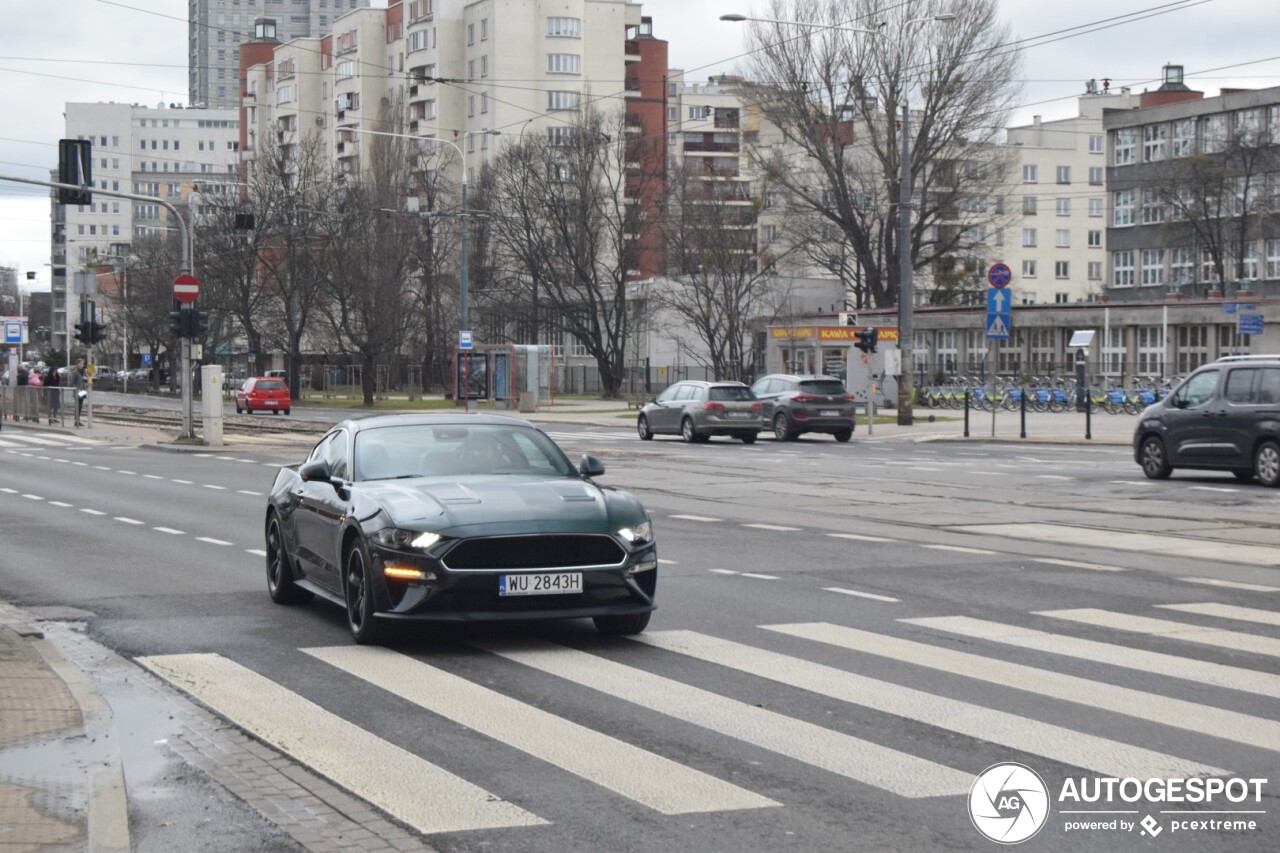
(218, 28)
(145, 151)
(1057, 207)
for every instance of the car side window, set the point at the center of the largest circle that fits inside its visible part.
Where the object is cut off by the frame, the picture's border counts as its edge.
(1239, 386)
(1269, 386)
(686, 392)
(336, 455)
(669, 394)
(1197, 390)
(761, 387)
(318, 452)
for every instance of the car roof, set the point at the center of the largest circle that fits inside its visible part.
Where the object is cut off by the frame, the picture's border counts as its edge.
(434, 419)
(800, 376)
(1230, 358)
(703, 383)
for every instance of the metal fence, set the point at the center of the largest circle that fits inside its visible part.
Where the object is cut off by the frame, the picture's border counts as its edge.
(37, 404)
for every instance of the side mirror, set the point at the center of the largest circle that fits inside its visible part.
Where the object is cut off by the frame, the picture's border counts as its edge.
(315, 472)
(590, 466)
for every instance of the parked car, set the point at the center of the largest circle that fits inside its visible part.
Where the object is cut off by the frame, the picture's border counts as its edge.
(1225, 416)
(373, 521)
(263, 394)
(698, 410)
(795, 404)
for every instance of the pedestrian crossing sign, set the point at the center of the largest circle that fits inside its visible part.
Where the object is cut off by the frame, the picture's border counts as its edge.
(998, 326)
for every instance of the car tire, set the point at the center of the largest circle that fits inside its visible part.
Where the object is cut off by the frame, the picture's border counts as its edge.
(642, 427)
(280, 580)
(687, 432)
(748, 437)
(1243, 476)
(238, 409)
(619, 626)
(1266, 464)
(1155, 464)
(781, 429)
(357, 592)
(286, 411)
(843, 434)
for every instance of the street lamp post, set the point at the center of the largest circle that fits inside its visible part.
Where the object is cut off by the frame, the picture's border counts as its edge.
(463, 267)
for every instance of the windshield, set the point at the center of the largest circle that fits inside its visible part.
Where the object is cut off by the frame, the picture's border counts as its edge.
(728, 393)
(454, 450)
(822, 386)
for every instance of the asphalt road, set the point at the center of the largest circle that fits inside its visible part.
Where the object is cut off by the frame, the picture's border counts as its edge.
(847, 635)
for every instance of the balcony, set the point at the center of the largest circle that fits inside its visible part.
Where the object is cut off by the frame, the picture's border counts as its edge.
(631, 51)
(711, 147)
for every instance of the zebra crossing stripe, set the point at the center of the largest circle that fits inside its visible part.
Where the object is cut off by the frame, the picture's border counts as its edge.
(1172, 666)
(1228, 611)
(1167, 711)
(75, 439)
(32, 439)
(1251, 587)
(1108, 757)
(410, 789)
(1120, 540)
(1234, 640)
(879, 766)
(640, 775)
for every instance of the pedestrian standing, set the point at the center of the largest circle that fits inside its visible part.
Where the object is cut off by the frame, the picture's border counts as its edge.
(35, 386)
(20, 396)
(79, 383)
(52, 385)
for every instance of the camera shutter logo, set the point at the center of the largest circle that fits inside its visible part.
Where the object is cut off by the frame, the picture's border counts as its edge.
(1008, 803)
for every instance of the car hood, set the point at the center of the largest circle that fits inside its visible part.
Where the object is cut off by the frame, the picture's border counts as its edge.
(513, 502)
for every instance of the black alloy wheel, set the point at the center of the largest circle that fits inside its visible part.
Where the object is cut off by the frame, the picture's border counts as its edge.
(357, 591)
(1155, 464)
(687, 431)
(280, 581)
(642, 427)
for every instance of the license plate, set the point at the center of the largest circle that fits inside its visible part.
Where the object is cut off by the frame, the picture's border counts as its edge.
(268, 402)
(738, 414)
(541, 583)
(829, 413)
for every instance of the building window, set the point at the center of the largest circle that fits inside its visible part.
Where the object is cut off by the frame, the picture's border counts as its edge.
(429, 110)
(1122, 210)
(1095, 207)
(1029, 205)
(484, 66)
(1095, 176)
(471, 105)
(1153, 266)
(1152, 207)
(1249, 127)
(1182, 266)
(1153, 139)
(484, 104)
(1062, 269)
(1064, 174)
(1184, 137)
(563, 100)
(1095, 144)
(471, 34)
(1063, 206)
(1095, 270)
(1273, 259)
(1095, 239)
(564, 27)
(1150, 349)
(1193, 347)
(1249, 262)
(1029, 174)
(1028, 236)
(559, 135)
(1215, 133)
(1028, 269)
(484, 29)
(1122, 269)
(1062, 238)
(565, 63)
(1061, 298)
(1125, 140)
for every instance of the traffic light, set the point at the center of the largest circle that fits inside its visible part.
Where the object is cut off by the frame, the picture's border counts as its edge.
(75, 167)
(199, 323)
(867, 339)
(177, 324)
(84, 332)
(97, 332)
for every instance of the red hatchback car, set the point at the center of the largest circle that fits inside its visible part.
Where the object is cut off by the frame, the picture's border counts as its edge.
(263, 393)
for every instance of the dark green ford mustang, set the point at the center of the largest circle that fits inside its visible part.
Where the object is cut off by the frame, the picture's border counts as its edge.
(457, 517)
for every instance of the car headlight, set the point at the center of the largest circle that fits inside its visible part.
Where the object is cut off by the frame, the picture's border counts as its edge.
(394, 537)
(639, 534)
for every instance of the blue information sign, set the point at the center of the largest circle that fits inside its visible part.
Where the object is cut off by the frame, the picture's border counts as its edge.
(1228, 308)
(464, 340)
(146, 359)
(1250, 324)
(998, 326)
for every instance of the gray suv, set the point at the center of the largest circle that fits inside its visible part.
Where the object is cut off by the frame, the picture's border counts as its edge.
(698, 410)
(1223, 417)
(796, 404)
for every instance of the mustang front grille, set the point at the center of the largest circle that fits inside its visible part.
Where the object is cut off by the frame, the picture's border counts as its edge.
(519, 553)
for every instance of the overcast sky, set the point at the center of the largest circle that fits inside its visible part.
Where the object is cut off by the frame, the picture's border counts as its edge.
(136, 51)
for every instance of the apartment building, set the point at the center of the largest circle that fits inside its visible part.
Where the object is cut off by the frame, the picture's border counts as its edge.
(217, 29)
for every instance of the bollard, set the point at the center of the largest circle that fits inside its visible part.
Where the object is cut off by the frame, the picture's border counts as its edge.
(966, 414)
(1022, 398)
(1088, 415)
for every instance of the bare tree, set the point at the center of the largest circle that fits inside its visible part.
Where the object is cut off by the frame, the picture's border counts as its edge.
(149, 299)
(718, 283)
(836, 97)
(562, 220)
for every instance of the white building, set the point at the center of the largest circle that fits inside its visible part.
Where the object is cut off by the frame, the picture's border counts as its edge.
(1058, 204)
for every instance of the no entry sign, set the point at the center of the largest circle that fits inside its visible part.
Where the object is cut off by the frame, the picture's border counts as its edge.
(186, 288)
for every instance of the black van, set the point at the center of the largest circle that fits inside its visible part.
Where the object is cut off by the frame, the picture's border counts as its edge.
(1223, 417)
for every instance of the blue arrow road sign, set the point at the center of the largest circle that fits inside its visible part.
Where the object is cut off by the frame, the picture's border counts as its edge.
(998, 301)
(998, 326)
(1250, 324)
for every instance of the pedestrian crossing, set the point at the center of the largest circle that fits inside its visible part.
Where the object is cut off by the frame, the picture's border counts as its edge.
(1133, 699)
(23, 440)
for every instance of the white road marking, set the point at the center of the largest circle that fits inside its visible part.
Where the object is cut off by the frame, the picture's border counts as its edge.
(81, 464)
(1166, 711)
(8, 491)
(72, 438)
(248, 492)
(32, 497)
(663, 562)
(102, 467)
(1235, 640)
(651, 780)
(1228, 611)
(129, 473)
(858, 537)
(1210, 489)
(32, 439)
(859, 594)
(762, 526)
(723, 572)
(1251, 587)
(1173, 666)
(959, 549)
(153, 476)
(59, 503)
(760, 576)
(127, 520)
(169, 530)
(1120, 540)
(4, 443)
(256, 551)
(92, 511)
(211, 486)
(695, 517)
(426, 797)
(854, 758)
(1074, 748)
(212, 541)
(1076, 564)
(183, 482)
(1052, 477)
